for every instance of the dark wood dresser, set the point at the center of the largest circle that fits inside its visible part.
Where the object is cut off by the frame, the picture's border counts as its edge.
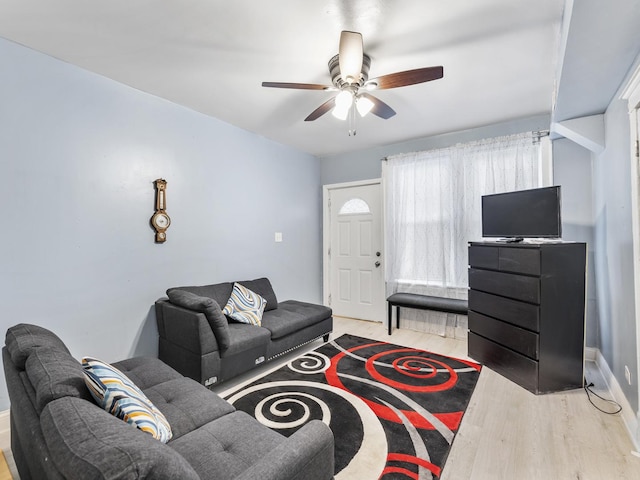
(527, 312)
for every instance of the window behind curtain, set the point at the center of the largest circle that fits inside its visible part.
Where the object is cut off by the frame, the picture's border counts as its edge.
(433, 208)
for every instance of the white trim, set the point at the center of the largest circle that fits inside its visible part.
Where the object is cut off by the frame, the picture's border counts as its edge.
(635, 229)
(326, 231)
(4, 420)
(384, 173)
(631, 93)
(359, 183)
(5, 433)
(590, 354)
(546, 161)
(588, 132)
(563, 38)
(628, 416)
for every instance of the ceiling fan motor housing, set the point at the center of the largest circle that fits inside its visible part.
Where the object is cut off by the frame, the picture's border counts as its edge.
(336, 78)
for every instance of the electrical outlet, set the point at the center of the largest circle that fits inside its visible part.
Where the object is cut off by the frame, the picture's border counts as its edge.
(627, 374)
(278, 237)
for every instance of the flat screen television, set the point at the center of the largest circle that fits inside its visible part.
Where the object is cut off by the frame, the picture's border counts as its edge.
(522, 214)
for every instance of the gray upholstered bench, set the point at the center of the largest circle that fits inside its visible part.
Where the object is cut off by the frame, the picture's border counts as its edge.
(424, 302)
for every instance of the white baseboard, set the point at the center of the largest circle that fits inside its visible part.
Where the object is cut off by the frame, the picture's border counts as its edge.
(590, 354)
(4, 421)
(5, 433)
(629, 417)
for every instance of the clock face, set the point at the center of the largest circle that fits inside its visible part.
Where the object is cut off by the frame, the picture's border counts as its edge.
(161, 220)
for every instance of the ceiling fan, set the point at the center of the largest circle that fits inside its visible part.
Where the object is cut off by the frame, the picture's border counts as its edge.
(349, 71)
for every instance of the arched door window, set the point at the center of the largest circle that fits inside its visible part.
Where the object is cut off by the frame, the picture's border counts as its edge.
(354, 206)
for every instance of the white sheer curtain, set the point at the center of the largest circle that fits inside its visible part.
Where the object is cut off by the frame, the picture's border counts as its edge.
(433, 208)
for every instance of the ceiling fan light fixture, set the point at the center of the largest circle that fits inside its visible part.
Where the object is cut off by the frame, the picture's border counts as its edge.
(340, 113)
(364, 105)
(344, 99)
(344, 102)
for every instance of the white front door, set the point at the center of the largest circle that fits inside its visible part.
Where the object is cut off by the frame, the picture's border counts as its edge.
(356, 280)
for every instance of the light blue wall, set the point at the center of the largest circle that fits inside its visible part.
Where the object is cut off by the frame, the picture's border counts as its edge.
(365, 164)
(572, 168)
(78, 157)
(614, 249)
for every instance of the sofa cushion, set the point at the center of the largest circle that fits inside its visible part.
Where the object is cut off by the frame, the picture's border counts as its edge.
(225, 448)
(146, 372)
(85, 442)
(187, 404)
(245, 337)
(292, 316)
(244, 305)
(208, 306)
(22, 339)
(221, 292)
(118, 395)
(53, 374)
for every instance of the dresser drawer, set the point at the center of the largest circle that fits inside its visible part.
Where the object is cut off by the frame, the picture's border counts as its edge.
(483, 257)
(516, 338)
(519, 260)
(518, 313)
(519, 287)
(505, 259)
(508, 363)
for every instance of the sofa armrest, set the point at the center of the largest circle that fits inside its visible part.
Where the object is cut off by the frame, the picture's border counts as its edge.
(305, 455)
(186, 328)
(85, 442)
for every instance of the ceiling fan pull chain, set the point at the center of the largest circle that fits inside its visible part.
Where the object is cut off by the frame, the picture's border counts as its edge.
(352, 121)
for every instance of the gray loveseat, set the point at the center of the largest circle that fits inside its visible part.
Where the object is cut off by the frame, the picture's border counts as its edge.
(58, 432)
(197, 340)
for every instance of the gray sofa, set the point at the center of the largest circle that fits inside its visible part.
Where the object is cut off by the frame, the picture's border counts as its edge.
(197, 340)
(58, 432)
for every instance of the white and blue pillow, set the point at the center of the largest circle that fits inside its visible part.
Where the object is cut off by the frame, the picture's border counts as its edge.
(245, 306)
(119, 396)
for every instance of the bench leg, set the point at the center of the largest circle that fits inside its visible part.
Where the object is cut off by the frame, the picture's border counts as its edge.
(397, 316)
(389, 315)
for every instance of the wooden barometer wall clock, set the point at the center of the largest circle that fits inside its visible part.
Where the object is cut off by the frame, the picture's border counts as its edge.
(160, 220)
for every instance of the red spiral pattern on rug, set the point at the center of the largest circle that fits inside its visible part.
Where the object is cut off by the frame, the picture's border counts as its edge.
(450, 419)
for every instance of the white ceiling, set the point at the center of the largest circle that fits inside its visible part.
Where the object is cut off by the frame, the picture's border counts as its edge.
(499, 56)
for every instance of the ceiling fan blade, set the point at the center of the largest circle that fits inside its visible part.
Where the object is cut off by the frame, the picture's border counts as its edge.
(408, 77)
(380, 108)
(350, 56)
(301, 86)
(321, 110)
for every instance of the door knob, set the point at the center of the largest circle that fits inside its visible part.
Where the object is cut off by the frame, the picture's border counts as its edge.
(377, 264)
(377, 254)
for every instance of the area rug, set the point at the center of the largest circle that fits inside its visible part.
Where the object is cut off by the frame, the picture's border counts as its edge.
(393, 410)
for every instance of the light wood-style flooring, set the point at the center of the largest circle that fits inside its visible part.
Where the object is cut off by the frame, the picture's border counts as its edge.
(507, 433)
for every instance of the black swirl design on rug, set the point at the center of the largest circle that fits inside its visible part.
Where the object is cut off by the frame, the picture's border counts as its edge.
(393, 410)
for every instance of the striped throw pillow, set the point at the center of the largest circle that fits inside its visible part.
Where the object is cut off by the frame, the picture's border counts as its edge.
(245, 306)
(119, 396)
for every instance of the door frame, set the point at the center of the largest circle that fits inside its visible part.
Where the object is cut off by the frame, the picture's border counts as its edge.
(326, 230)
(631, 93)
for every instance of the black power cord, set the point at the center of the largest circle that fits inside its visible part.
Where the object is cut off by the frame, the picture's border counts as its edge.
(587, 388)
